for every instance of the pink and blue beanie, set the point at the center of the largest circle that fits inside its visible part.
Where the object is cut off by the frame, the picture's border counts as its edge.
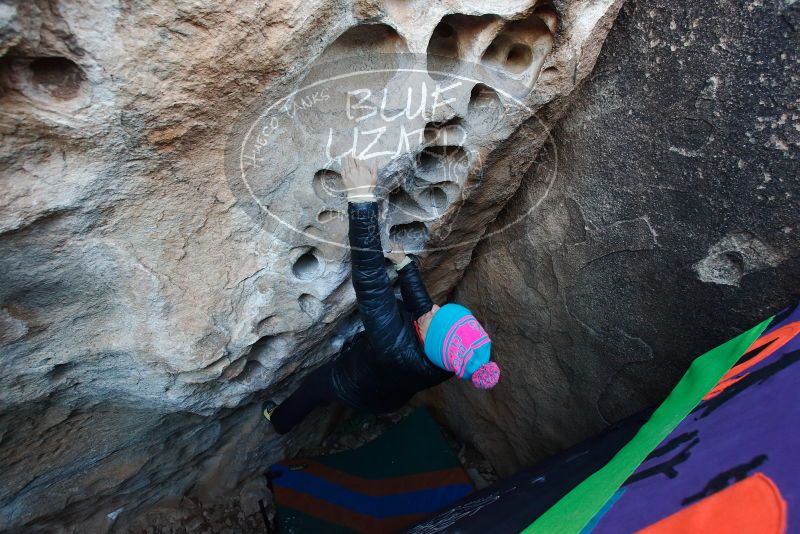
(457, 342)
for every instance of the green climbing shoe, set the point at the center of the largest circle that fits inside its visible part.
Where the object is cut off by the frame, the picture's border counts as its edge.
(267, 408)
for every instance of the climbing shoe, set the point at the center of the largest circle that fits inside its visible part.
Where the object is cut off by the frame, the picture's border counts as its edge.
(267, 408)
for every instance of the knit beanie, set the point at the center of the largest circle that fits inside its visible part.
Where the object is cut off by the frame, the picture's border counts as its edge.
(457, 342)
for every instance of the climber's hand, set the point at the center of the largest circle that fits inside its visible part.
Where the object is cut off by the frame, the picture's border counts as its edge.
(360, 178)
(396, 255)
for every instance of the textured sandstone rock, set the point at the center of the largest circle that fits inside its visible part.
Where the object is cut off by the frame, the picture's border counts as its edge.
(672, 226)
(147, 305)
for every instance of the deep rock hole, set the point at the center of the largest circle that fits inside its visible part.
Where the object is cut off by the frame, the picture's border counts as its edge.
(328, 185)
(307, 266)
(519, 58)
(51, 78)
(412, 235)
(434, 197)
(58, 76)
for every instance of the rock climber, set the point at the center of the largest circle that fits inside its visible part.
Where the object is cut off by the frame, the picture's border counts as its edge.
(404, 347)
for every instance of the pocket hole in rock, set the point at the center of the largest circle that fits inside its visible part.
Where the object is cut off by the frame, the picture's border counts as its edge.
(442, 163)
(483, 96)
(434, 198)
(377, 46)
(253, 372)
(443, 41)
(401, 202)
(310, 305)
(450, 132)
(328, 216)
(307, 266)
(48, 78)
(372, 38)
(549, 72)
(518, 58)
(328, 185)
(485, 109)
(412, 236)
(234, 369)
(453, 39)
(427, 161)
(730, 265)
(58, 76)
(548, 14)
(520, 49)
(492, 54)
(271, 347)
(59, 371)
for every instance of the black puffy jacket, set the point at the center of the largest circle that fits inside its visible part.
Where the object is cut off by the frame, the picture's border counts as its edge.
(383, 366)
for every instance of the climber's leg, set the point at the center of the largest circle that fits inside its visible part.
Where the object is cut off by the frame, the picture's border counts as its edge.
(317, 388)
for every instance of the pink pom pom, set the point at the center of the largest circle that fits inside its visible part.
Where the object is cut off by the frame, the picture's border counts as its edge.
(487, 376)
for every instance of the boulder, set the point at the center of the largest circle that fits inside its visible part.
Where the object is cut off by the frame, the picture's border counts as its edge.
(170, 260)
(660, 221)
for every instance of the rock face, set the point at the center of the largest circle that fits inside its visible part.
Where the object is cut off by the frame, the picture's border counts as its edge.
(163, 272)
(661, 221)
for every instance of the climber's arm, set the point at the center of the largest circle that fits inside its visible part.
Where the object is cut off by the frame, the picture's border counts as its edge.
(415, 295)
(376, 301)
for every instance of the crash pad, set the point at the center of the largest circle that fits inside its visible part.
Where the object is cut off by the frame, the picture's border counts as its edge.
(401, 477)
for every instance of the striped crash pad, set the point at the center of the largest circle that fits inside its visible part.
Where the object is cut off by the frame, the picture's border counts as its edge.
(398, 479)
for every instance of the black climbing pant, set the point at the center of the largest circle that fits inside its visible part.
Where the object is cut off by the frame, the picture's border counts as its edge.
(317, 388)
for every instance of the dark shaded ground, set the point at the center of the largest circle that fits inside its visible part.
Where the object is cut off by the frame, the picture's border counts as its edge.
(190, 516)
